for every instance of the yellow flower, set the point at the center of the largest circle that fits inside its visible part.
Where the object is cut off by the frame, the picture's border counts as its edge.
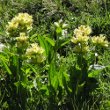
(12, 26)
(81, 34)
(77, 32)
(100, 41)
(22, 38)
(81, 48)
(35, 53)
(83, 30)
(79, 39)
(23, 21)
(34, 50)
(86, 30)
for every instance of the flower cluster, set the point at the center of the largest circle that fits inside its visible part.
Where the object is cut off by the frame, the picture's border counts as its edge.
(81, 48)
(21, 22)
(99, 41)
(61, 29)
(60, 24)
(83, 30)
(22, 40)
(80, 38)
(81, 34)
(35, 52)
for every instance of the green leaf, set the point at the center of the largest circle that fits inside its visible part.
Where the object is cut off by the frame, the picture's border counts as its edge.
(94, 73)
(6, 67)
(45, 90)
(51, 41)
(66, 76)
(5, 105)
(17, 84)
(59, 30)
(33, 37)
(52, 70)
(55, 82)
(33, 69)
(60, 79)
(27, 70)
(44, 44)
(66, 42)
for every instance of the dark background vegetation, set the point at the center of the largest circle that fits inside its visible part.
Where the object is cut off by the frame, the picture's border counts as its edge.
(95, 13)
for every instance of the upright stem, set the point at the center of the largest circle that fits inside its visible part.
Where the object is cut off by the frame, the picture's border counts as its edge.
(21, 90)
(81, 55)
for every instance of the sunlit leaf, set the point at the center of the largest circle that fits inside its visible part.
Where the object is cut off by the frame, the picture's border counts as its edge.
(51, 41)
(44, 44)
(66, 42)
(94, 73)
(6, 67)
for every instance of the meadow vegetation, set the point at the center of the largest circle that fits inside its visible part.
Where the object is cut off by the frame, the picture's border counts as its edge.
(54, 54)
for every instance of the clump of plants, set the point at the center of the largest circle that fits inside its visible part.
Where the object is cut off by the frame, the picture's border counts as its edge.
(15, 58)
(37, 76)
